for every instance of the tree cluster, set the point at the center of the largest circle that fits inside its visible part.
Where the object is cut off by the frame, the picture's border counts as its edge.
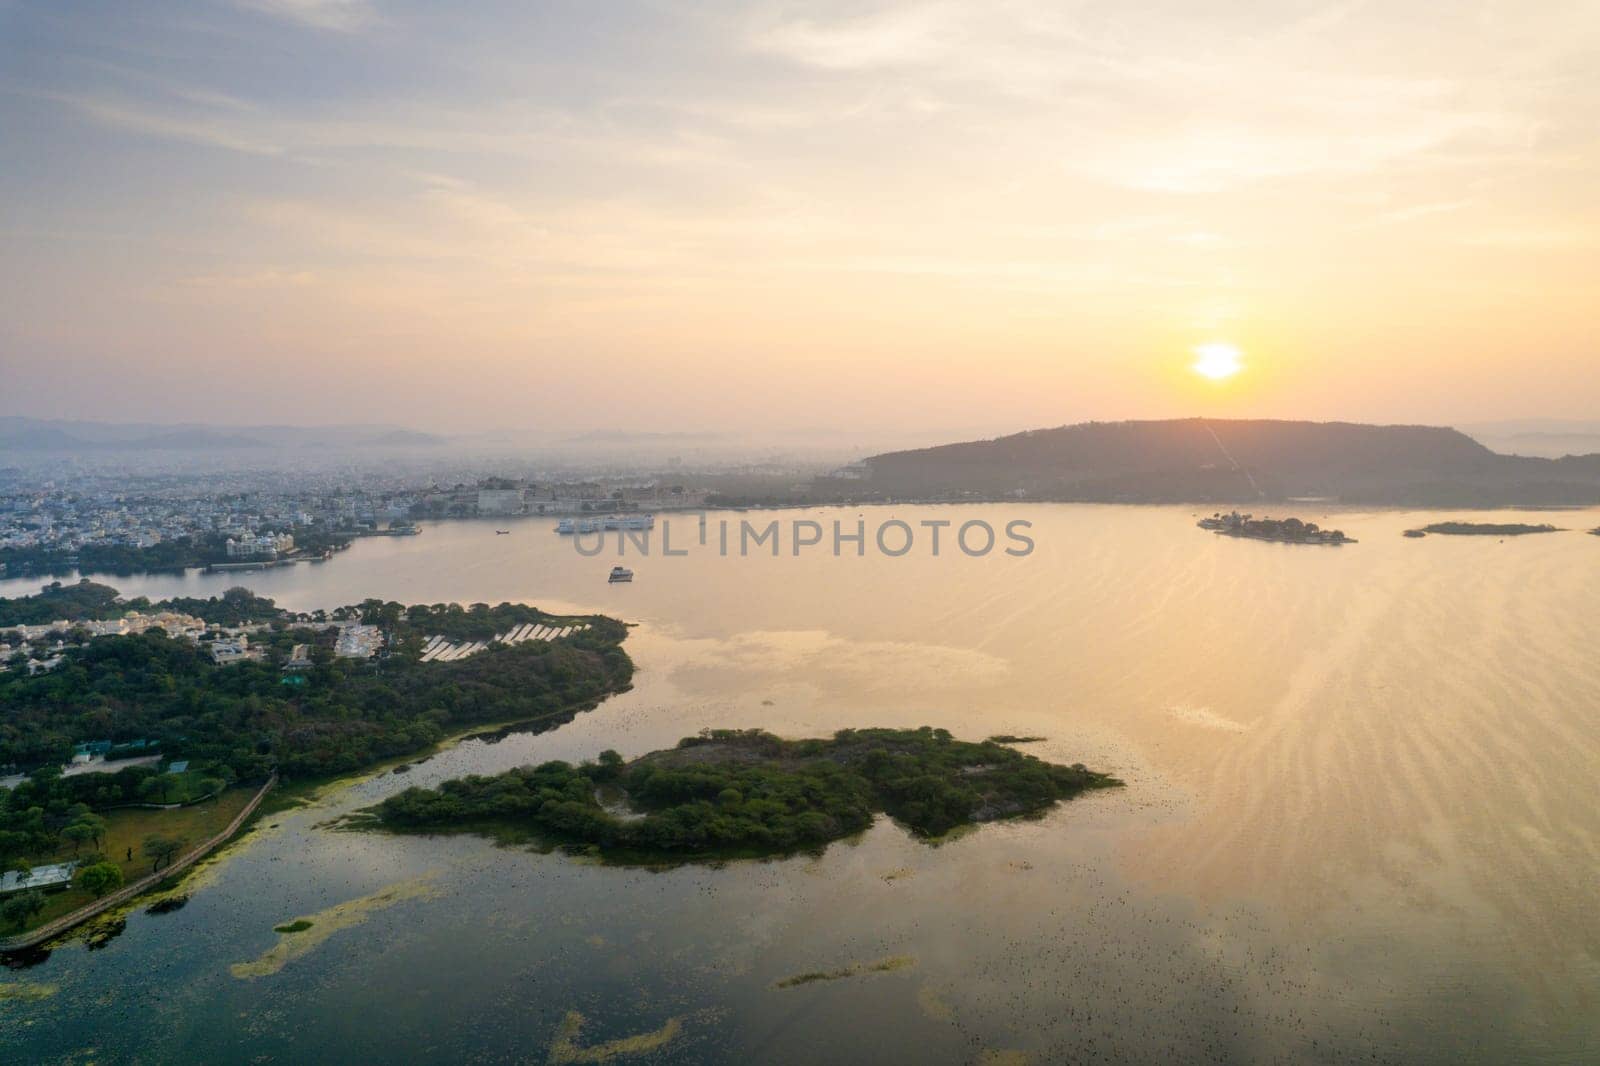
(748, 792)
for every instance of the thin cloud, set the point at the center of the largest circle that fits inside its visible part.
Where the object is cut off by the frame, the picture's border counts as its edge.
(260, 279)
(342, 15)
(1416, 211)
(896, 37)
(140, 119)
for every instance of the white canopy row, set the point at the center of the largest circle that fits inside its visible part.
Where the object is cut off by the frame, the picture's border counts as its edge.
(440, 650)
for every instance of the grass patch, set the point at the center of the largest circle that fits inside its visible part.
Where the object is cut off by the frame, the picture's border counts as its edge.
(855, 969)
(565, 1049)
(316, 928)
(125, 832)
(26, 991)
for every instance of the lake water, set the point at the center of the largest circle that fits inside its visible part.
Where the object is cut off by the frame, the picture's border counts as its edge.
(1360, 821)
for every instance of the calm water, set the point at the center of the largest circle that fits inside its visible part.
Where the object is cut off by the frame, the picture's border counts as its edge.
(1360, 821)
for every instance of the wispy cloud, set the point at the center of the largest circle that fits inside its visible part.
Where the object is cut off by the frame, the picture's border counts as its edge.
(253, 280)
(342, 15)
(1416, 211)
(897, 36)
(142, 118)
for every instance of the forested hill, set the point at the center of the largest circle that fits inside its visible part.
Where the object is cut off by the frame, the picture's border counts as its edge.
(1197, 459)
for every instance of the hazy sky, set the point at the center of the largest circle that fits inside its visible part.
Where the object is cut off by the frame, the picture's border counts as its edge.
(677, 215)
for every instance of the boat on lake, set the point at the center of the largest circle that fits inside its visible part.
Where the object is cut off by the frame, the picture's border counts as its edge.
(620, 573)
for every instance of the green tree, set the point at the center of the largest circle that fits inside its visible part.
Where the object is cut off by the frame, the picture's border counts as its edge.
(159, 789)
(20, 906)
(100, 878)
(97, 827)
(610, 766)
(160, 850)
(77, 834)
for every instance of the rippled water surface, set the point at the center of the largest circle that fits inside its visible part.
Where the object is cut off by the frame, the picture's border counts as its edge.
(1360, 821)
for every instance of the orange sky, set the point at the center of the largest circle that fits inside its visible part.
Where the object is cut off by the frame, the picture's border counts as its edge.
(776, 215)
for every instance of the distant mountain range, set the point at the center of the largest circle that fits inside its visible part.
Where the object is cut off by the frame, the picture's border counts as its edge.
(41, 435)
(1228, 461)
(1548, 437)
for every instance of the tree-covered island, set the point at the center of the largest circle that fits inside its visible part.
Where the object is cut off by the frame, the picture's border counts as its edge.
(1488, 529)
(748, 793)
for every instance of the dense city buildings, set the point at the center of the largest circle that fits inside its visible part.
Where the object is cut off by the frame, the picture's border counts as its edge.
(56, 522)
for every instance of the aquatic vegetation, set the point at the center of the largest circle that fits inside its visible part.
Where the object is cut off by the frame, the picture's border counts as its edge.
(1004, 1057)
(933, 1003)
(26, 991)
(733, 792)
(318, 927)
(99, 933)
(565, 1048)
(855, 969)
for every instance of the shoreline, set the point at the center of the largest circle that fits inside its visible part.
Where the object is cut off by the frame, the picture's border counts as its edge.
(66, 923)
(286, 796)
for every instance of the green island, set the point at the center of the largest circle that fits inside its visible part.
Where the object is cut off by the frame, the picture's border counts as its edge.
(179, 553)
(1486, 529)
(746, 793)
(127, 749)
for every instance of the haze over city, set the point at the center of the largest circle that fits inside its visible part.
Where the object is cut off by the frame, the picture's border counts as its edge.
(669, 216)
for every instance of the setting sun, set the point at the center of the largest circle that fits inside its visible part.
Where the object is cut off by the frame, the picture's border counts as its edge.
(1217, 361)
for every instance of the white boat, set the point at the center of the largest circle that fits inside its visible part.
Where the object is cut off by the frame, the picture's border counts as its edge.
(620, 573)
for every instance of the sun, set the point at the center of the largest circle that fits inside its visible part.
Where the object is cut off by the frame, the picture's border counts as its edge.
(1217, 361)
